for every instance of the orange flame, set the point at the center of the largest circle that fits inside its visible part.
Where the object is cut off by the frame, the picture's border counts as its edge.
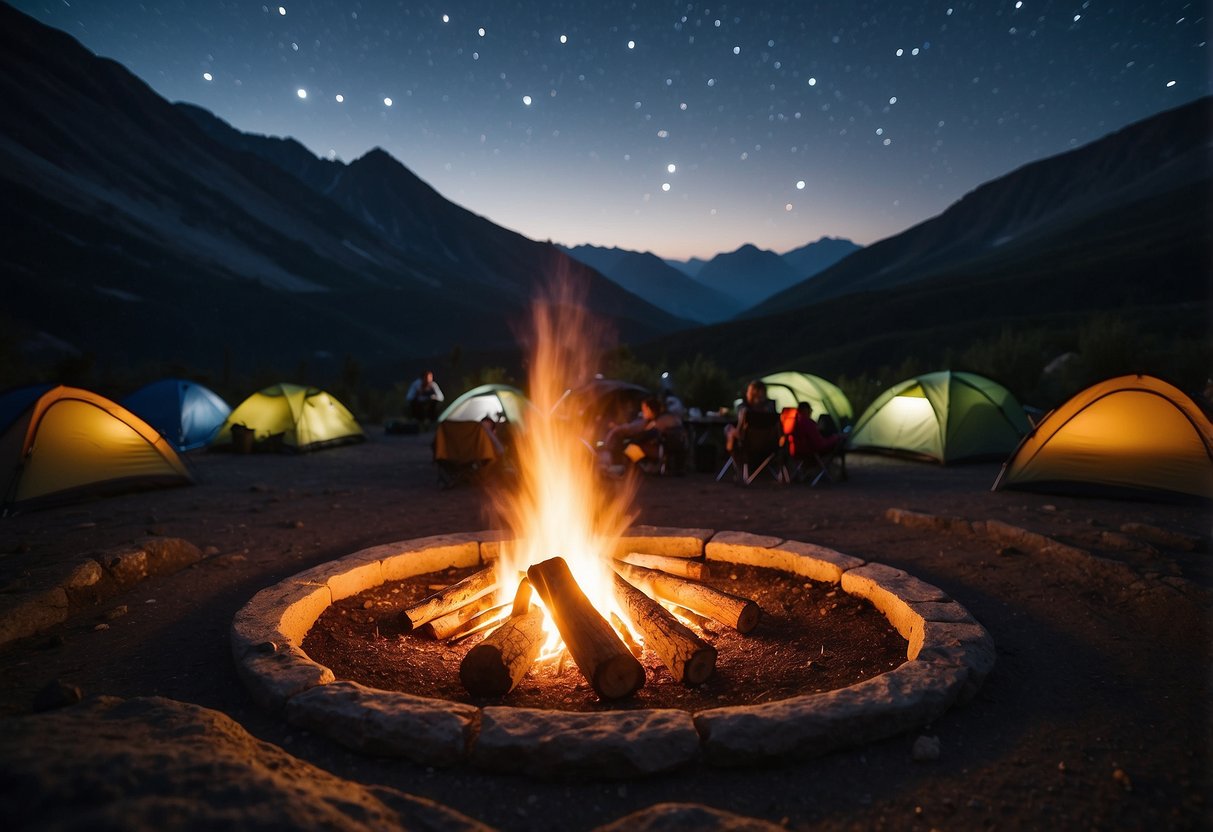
(560, 505)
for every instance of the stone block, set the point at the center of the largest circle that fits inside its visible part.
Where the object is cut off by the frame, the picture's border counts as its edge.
(817, 563)
(431, 554)
(742, 547)
(30, 613)
(1016, 536)
(963, 645)
(358, 575)
(1162, 537)
(888, 589)
(664, 540)
(933, 522)
(903, 699)
(166, 555)
(273, 676)
(560, 744)
(945, 612)
(427, 731)
(127, 565)
(83, 575)
(281, 614)
(87, 583)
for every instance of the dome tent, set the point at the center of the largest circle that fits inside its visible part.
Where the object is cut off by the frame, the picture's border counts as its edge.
(61, 443)
(789, 389)
(945, 416)
(306, 419)
(185, 412)
(494, 401)
(1133, 433)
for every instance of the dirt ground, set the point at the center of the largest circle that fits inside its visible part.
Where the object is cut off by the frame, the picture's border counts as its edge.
(1097, 714)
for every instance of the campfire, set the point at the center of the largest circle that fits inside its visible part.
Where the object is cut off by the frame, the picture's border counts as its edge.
(557, 588)
(652, 605)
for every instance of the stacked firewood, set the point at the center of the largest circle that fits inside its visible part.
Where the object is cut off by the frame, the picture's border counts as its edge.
(652, 591)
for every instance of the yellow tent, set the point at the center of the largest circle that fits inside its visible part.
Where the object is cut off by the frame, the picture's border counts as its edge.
(299, 418)
(63, 443)
(1127, 433)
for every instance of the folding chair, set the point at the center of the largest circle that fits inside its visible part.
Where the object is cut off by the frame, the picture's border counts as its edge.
(830, 465)
(464, 451)
(758, 447)
(673, 452)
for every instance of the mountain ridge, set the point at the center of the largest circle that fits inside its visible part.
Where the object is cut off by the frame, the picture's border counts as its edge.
(180, 250)
(1150, 156)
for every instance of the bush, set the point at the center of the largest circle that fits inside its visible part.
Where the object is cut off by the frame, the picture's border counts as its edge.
(704, 384)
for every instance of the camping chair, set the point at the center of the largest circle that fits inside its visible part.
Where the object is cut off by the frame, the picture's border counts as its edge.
(673, 452)
(464, 451)
(758, 446)
(804, 462)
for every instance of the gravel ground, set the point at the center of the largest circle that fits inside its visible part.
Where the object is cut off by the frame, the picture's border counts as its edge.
(1097, 714)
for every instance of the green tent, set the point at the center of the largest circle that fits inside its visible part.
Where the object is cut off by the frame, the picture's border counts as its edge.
(944, 416)
(292, 417)
(494, 401)
(790, 389)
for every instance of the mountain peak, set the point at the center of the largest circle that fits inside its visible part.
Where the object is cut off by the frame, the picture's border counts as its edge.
(377, 157)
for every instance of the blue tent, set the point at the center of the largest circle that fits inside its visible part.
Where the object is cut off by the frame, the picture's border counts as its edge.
(187, 414)
(16, 400)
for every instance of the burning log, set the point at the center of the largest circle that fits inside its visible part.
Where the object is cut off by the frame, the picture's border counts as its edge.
(690, 659)
(683, 567)
(453, 623)
(621, 629)
(494, 666)
(741, 614)
(601, 656)
(701, 621)
(450, 599)
(487, 620)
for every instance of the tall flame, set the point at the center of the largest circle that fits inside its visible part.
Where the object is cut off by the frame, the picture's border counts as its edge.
(560, 506)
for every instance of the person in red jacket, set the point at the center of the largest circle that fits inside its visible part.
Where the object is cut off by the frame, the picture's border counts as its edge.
(806, 435)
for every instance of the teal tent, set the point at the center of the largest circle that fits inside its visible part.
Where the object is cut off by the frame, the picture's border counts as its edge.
(944, 416)
(789, 389)
(492, 401)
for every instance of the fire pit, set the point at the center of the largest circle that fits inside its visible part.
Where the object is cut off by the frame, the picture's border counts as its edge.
(571, 577)
(947, 653)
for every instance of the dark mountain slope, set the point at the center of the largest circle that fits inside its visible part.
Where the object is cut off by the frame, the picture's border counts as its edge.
(382, 193)
(810, 259)
(648, 276)
(1023, 212)
(748, 275)
(1143, 260)
(137, 239)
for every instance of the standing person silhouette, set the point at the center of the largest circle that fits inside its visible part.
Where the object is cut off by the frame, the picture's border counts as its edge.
(423, 397)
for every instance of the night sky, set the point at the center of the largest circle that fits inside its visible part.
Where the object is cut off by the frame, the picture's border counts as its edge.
(681, 128)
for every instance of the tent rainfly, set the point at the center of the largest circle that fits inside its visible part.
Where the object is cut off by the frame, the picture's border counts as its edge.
(306, 419)
(945, 416)
(492, 401)
(790, 389)
(186, 413)
(1132, 433)
(63, 443)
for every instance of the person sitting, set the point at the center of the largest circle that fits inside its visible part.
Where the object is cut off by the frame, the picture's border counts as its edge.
(424, 396)
(807, 437)
(644, 433)
(755, 401)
